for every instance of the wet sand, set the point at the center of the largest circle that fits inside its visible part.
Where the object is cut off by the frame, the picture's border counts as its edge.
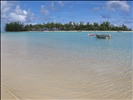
(44, 80)
(6, 94)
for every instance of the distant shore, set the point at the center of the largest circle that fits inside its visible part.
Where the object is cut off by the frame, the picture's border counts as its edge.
(73, 31)
(81, 31)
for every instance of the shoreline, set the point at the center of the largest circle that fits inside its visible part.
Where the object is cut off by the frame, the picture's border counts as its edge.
(79, 31)
(72, 31)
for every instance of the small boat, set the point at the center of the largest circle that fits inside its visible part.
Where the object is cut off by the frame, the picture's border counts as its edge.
(101, 36)
(91, 34)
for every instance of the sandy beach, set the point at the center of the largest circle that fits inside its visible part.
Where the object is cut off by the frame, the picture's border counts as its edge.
(34, 68)
(22, 82)
(6, 94)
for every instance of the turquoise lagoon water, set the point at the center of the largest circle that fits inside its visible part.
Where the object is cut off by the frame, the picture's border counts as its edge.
(88, 67)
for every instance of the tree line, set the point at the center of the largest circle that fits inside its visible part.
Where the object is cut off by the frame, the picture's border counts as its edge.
(71, 26)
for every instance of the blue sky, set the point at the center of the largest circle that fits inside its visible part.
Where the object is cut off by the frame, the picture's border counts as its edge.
(34, 12)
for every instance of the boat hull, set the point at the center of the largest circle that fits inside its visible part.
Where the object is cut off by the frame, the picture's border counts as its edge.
(100, 36)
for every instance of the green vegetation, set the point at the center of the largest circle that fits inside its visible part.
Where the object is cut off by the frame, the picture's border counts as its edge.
(14, 26)
(71, 26)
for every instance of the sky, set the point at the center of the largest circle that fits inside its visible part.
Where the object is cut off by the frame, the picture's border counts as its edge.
(39, 12)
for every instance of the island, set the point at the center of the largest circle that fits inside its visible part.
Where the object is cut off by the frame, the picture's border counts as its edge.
(70, 26)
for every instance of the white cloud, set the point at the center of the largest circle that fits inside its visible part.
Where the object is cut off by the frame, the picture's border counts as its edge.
(44, 10)
(32, 23)
(20, 11)
(30, 16)
(17, 17)
(11, 11)
(119, 22)
(8, 13)
(115, 24)
(21, 15)
(121, 5)
(5, 8)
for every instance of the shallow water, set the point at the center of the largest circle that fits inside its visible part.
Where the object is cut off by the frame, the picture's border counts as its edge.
(67, 65)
